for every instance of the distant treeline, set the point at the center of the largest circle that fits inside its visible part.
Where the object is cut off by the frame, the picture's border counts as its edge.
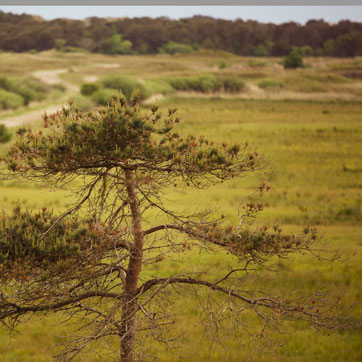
(21, 33)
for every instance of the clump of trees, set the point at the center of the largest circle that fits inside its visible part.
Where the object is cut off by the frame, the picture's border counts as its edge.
(96, 261)
(145, 35)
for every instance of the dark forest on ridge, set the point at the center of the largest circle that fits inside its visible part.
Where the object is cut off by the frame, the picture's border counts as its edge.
(145, 35)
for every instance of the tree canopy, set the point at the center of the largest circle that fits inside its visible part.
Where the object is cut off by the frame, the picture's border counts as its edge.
(145, 35)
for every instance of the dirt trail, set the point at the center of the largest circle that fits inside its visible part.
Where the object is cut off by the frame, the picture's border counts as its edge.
(16, 121)
(154, 98)
(49, 77)
(52, 77)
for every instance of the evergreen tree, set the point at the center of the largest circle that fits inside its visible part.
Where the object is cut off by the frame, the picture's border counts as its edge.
(101, 260)
(294, 59)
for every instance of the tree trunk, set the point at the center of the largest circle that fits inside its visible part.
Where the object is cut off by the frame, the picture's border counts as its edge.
(128, 323)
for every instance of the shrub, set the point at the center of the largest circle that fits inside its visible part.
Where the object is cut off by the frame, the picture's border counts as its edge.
(207, 83)
(35, 84)
(179, 83)
(83, 103)
(5, 135)
(30, 89)
(172, 48)
(329, 47)
(232, 84)
(293, 60)
(260, 51)
(59, 45)
(87, 89)
(158, 86)
(126, 85)
(30, 94)
(306, 51)
(222, 65)
(10, 100)
(117, 45)
(4, 83)
(103, 96)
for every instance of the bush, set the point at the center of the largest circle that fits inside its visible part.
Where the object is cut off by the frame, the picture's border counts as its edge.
(35, 84)
(87, 89)
(30, 94)
(293, 60)
(260, 51)
(10, 100)
(158, 86)
(83, 103)
(222, 65)
(126, 85)
(30, 89)
(103, 96)
(179, 83)
(306, 51)
(117, 45)
(5, 135)
(329, 47)
(232, 84)
(172, 48)
(207, 83)
(270, 84)
(59, 45)
(4, 83)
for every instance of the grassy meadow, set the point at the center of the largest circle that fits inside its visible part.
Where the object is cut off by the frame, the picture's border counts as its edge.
(308, 124)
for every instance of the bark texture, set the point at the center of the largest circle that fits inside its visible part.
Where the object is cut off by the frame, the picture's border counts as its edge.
(128, 325)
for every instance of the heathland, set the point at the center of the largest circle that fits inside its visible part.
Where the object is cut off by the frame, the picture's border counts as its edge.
(308, 124)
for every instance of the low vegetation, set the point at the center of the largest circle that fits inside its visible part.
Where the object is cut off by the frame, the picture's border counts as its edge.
(19, 91)
(5, 134)
(207, 83)
(102, 91)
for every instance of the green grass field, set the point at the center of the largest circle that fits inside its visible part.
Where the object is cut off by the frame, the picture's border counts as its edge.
(310, 130)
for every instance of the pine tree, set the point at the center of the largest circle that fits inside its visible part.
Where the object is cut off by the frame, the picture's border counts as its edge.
(294, 59)
(96, 261)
